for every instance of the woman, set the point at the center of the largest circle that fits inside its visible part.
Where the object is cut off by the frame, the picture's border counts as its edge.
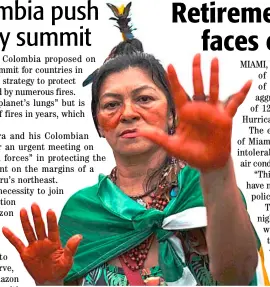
(145, 223)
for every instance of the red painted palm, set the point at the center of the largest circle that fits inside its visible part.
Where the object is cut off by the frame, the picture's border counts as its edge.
(44, 258)
(203, 133)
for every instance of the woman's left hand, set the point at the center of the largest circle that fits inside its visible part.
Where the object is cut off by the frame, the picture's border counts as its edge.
(203, 134)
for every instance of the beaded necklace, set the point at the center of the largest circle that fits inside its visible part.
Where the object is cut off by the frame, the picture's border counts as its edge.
(160, 195)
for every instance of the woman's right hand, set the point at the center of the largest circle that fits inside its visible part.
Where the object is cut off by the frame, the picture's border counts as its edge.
(44, 258)
(203, 135)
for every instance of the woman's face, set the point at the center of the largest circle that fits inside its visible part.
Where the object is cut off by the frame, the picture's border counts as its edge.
(130, 100)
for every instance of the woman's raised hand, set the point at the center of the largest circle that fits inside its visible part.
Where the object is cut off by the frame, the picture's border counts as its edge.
(203, 133)
(44, 258)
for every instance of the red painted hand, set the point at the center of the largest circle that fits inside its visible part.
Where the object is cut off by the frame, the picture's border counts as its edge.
(203, 133)
(45, 259)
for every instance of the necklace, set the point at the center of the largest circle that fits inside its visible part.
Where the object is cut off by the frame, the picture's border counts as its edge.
(138, 197)
(159, 198)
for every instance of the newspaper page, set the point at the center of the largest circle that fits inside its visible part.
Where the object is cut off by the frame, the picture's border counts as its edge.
(50, 147)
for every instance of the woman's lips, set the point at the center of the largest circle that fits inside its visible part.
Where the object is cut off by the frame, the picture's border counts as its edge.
(129, 134)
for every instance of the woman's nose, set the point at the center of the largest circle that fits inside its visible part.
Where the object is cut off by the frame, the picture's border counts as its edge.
(129, 113)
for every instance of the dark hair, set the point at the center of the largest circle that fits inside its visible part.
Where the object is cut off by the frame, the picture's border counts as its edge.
(126, 54)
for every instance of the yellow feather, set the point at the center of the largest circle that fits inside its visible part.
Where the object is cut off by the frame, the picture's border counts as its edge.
(121, 9)
(124, 37)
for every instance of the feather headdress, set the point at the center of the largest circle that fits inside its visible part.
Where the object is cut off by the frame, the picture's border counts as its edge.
(122, 18)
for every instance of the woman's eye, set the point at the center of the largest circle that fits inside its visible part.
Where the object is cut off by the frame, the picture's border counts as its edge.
(145, 99)
(111, 105)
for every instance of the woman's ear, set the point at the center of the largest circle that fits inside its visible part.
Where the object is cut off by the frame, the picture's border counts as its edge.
(171, 121)
(100, 131)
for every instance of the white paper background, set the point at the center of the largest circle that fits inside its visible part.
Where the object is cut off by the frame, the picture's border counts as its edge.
(172, 43)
